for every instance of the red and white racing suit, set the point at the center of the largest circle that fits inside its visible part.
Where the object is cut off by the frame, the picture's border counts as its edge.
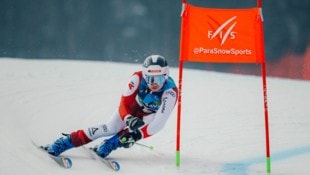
(154, 108)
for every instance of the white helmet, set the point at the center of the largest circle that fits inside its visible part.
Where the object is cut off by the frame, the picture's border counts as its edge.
(155, 69)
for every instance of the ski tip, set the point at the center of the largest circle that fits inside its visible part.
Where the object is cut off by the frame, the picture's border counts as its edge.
(115, 165)
(67, 162)
(63, 161)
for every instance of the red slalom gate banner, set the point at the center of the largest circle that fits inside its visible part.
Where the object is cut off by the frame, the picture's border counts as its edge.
(222, 36)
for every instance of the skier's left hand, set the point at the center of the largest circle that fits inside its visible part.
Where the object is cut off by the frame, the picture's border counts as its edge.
(134, 122)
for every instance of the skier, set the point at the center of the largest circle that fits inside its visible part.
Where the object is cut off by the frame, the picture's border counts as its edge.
(145, 106)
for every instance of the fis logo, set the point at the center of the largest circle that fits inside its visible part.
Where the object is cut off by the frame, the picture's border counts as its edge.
(224, 31)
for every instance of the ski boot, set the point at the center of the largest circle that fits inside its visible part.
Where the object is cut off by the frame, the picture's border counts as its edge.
(60, 145)
(106, 147)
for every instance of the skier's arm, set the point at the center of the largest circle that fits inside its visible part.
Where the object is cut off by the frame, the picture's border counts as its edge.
(169, 99)
(128, 101)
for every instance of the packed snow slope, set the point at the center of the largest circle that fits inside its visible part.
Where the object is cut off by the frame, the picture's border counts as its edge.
(222, 120)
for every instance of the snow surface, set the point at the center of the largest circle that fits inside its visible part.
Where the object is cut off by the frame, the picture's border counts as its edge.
(222, 120)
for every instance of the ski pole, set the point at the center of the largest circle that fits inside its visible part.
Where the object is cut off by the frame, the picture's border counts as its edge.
(146, 146)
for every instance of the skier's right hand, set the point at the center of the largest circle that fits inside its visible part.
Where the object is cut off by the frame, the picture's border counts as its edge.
(128, 139)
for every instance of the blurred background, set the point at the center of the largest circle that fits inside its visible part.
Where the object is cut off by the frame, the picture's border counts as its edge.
(129, 30)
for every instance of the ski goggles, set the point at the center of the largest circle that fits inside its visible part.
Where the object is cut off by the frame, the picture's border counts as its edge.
(155, 79)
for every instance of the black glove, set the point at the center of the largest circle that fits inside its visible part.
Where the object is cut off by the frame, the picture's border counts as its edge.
(128, 139)
(134, 122)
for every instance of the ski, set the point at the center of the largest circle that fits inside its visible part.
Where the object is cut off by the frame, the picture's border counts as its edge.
(62, 161)
(114, 165)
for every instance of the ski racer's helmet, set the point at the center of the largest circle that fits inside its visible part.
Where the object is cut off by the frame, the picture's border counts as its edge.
(155, 70)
